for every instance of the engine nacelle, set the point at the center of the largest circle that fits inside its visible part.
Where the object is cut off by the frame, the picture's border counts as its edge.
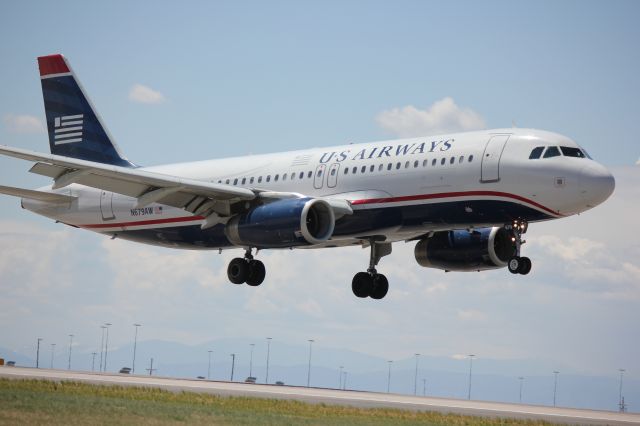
(481, 249)
(283, 223)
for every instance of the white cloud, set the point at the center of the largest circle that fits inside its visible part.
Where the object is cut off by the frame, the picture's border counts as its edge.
(638, 162)
(443, 116)
(145, 95)
(23, 123)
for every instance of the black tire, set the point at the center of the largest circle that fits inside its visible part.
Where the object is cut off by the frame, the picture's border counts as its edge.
(380, 287)
(362, 284)
(514, 264)
(257, 273)
(525, 266)
(238, 270)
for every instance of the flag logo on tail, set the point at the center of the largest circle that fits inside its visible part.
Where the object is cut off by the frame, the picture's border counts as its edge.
(68, 129)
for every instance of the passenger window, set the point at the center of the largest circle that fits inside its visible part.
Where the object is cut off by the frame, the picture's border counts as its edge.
(380, 167)
(424, 163)
(219, 181)
(552, 151)
(319, 173)
(452, 160)
(389, 166)
(461, 159)
(398, 165)
(309, 174)
(268, 178)
(406, 165)
(470, 158)
(251, 180)
(301, 175)
(363, 169)
(433, 162)
(536, 153)
(444, 160)
(284, 177)
(235, 181)
(372, 168)
(355, 170)
(333, 172)
(244, 180)
(227, 182)
(275, 179)
(346, 170)
(260, 179)
(569, 151)
(293, 176)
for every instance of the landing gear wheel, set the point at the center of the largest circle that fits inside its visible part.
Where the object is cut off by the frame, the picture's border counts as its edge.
(238, 270)
(256, 273)
(525, 266)
(514, 264)
(362, 284)
(380, 287)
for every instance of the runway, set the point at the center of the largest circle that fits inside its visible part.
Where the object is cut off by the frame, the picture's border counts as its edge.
(336, 397)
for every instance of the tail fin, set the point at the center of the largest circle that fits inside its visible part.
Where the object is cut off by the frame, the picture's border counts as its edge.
(75, 129)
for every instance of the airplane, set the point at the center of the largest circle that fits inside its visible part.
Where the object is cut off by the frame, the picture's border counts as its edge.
(466, 199)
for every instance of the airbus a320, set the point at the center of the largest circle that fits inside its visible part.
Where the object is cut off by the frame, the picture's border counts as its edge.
(466, 199)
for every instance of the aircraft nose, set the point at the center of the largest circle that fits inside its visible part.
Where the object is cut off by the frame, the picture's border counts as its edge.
(596, 184)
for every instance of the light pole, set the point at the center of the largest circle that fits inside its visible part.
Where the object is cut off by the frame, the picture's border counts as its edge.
(93, 360)
(470, 372)
(103, 327)
(344, 382)
(521, 381)
(53, 348)
(251, 360)
(135, 344)
(309, 368)
(209, 366)
(266, 376)
(340, 377)
(389, 376)
(620, 403)
(415, 378)
(555, 386)
(424, 387)
(233, 364)
(38, 353)
(70, 343)
(106, 345)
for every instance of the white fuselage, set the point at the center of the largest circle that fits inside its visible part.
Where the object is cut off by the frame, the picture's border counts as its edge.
(423, 184)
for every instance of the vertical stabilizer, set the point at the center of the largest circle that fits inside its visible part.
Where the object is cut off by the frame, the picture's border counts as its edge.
(75, 128)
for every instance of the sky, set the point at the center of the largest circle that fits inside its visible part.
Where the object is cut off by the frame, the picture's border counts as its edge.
(198, 80)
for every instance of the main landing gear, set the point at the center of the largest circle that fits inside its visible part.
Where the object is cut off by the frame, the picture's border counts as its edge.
(517, 264)
(371, 283)
(246, 270)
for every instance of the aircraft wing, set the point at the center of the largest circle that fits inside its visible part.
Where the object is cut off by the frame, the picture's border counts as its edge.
(196, 196)
(208, 199)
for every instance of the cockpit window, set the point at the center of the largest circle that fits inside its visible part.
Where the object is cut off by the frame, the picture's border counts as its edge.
(552, 151)
(569, 151)
(536, 153)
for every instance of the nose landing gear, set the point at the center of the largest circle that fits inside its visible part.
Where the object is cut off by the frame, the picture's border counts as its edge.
(517, 264)
(371, 283)
(246, 270)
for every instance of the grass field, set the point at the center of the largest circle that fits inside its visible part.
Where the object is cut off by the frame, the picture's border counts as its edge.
(53, 403)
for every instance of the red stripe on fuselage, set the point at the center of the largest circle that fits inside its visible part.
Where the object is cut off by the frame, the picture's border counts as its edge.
(143, 222)
(453, 195)
(355, 203)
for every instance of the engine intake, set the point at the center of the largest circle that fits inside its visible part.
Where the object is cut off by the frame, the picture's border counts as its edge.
(481, 249)
(283, 223)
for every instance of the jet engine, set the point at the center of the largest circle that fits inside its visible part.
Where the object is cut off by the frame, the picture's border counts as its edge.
(283, 223)
(461, 250)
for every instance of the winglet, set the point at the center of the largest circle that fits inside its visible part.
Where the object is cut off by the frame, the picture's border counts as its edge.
(52, 64)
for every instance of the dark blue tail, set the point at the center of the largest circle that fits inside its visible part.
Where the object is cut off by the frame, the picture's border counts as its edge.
(75, 129)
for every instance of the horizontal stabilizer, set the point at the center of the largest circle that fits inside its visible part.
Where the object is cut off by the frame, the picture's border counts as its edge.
(48, 197)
